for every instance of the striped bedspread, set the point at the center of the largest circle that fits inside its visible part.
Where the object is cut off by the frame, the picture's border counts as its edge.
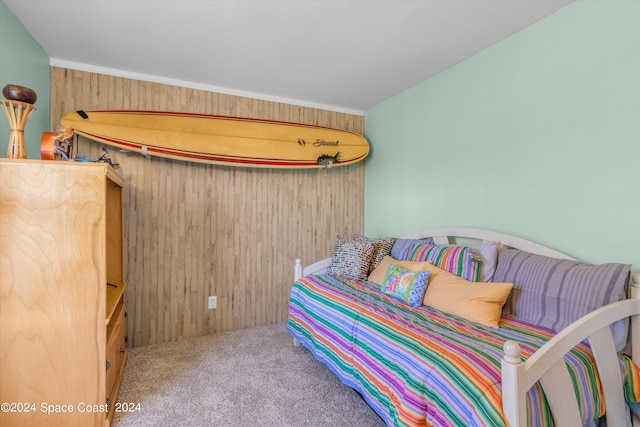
(420, 366)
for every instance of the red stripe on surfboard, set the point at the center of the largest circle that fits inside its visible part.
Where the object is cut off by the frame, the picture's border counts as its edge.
(214, 116)
(212, 158)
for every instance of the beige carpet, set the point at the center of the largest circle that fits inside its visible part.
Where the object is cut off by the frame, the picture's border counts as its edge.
(249, 377)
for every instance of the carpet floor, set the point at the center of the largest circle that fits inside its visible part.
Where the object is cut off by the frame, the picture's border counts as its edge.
(249, 377)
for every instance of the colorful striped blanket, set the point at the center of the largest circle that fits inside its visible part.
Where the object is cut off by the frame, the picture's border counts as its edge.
(421, 366)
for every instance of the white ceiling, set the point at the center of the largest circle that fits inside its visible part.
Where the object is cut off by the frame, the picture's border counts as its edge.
(343, 55)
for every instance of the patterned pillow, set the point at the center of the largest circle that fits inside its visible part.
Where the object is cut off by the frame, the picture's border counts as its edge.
(405, 285)
(382, 248)
(555, 292)
(351, 259)
(459, 260)
(400, 246)
(377, 275)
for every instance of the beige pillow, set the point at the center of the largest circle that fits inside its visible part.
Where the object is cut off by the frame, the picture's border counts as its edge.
(377, 275)
(478, 302)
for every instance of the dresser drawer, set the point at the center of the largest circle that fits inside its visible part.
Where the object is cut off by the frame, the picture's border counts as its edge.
(116, 347)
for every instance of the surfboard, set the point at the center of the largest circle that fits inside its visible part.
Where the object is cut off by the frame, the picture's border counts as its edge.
(225, 140)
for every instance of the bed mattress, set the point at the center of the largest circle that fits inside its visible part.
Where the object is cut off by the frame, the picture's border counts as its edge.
(421, 366)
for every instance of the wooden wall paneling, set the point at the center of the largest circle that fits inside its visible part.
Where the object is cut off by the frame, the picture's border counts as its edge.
(194, 230)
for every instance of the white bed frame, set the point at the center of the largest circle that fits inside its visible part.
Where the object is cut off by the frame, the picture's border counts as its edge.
(547, 364)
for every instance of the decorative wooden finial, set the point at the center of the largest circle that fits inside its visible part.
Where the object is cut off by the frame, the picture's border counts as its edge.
(512, 352)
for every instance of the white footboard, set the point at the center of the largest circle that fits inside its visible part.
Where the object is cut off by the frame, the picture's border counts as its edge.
(547, 366)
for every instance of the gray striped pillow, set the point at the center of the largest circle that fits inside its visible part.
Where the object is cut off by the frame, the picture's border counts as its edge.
(554, 293)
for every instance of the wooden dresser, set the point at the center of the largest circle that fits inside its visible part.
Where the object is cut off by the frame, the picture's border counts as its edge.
(62, 312)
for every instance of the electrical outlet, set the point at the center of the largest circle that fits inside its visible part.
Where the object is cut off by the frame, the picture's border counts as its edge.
(213, 302)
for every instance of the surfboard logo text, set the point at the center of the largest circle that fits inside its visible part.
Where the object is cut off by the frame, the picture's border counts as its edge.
(322, 142)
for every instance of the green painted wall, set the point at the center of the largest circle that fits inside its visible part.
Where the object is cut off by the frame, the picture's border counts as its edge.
(25, 63)
(536, 136)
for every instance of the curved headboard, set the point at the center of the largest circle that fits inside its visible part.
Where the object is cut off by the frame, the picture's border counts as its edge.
(442, 236)
(445, 236)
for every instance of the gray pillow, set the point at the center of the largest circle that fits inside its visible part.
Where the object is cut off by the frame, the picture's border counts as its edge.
(554, 293)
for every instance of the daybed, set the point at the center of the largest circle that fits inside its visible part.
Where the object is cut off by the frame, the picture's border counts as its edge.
(425, 342)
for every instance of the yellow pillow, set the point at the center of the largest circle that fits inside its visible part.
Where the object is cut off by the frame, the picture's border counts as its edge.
(479, 302)
(377, 275)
